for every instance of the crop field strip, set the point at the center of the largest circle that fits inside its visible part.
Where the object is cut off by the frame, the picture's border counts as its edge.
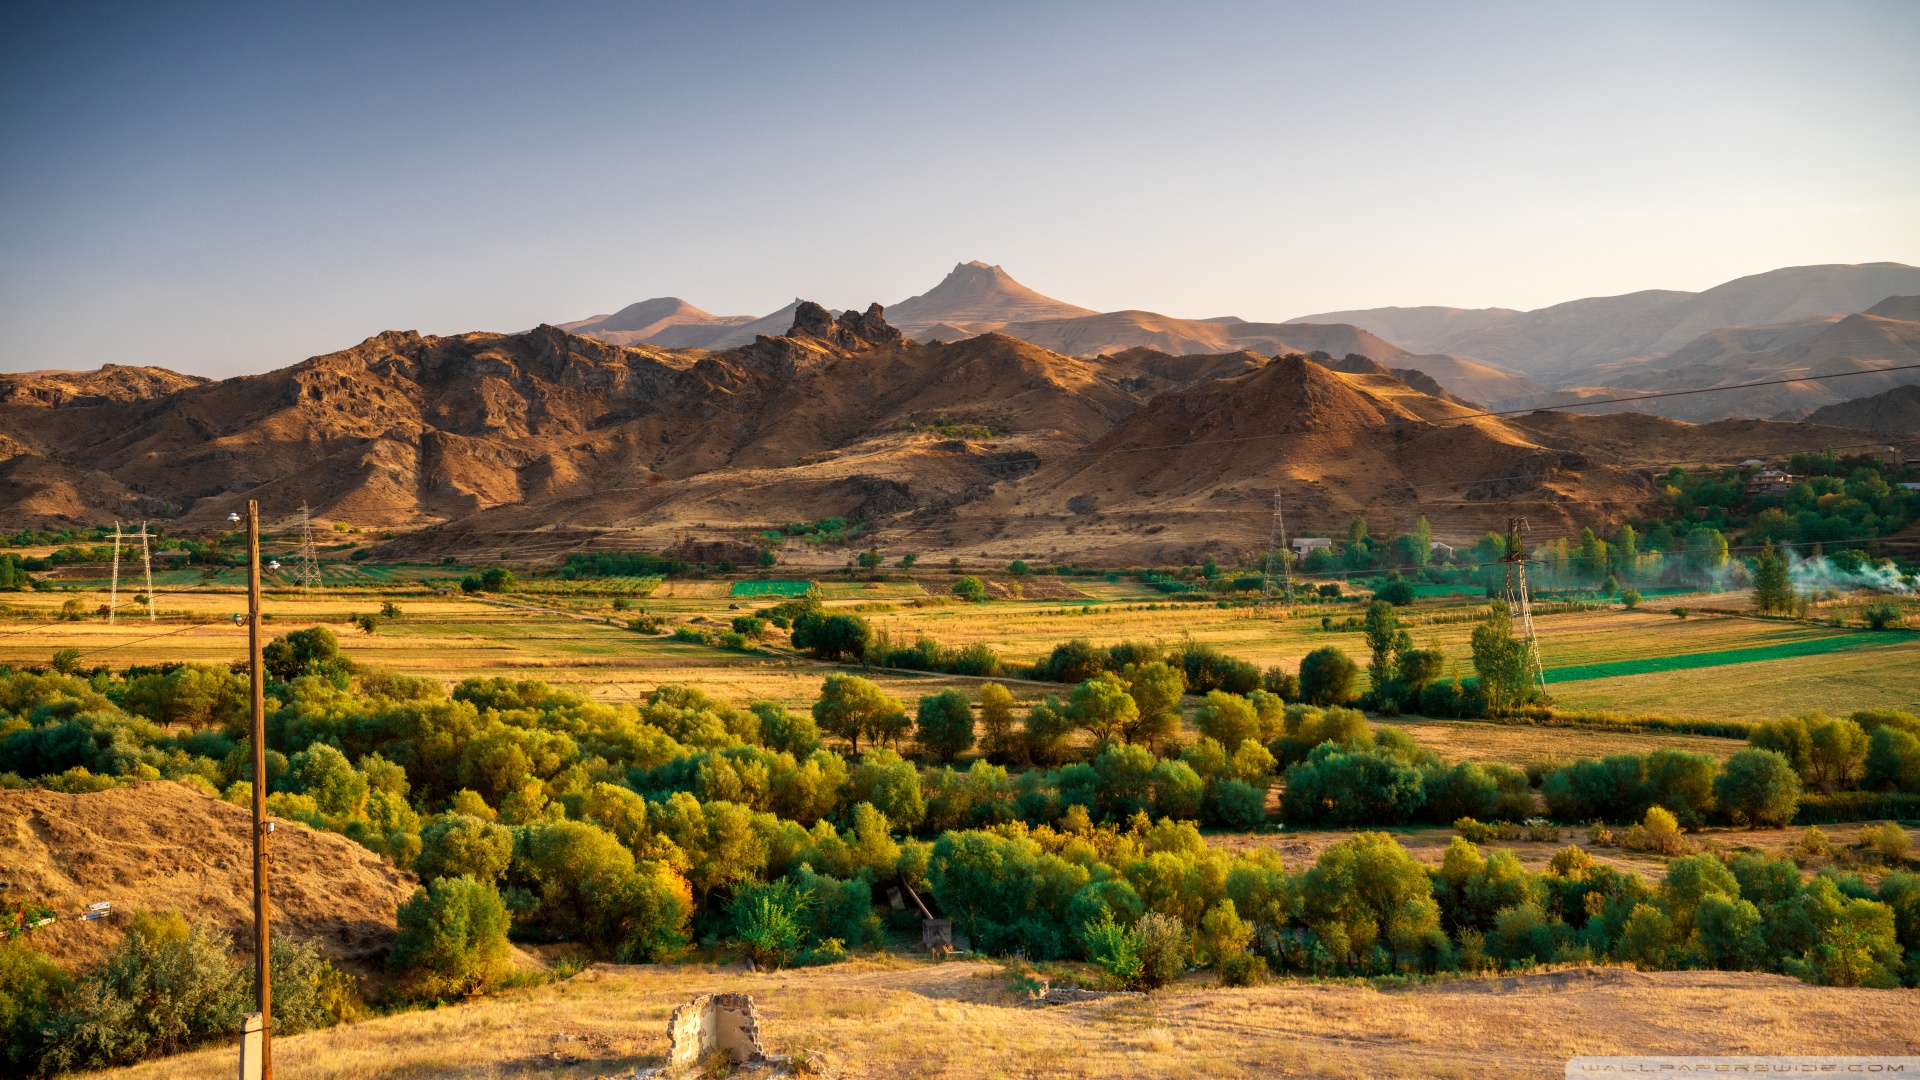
(1687, 661)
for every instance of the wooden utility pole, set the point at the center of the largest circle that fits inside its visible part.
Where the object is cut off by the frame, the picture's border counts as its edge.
(262, 975)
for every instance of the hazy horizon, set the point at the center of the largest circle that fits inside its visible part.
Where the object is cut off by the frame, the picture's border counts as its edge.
(222, 190)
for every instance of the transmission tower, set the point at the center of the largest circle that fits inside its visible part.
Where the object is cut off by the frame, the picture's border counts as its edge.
(1518, 598)
(1277, 548)
(146, 567)
(113, 590)
(307, 568)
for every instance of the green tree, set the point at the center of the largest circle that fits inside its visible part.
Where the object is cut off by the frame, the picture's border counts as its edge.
(769, 921)
(1759, 787)
(1228, 719)
(1044, 733)
(1019, 568)
(1593, 556)
(1155, 688)
(1772, 591)
(315, 651)
(996, 719)
(891, 785)
(1422, 541)
(167, 986)
(1836, 748)
(851, 708)
(1706, 551)
(1500, 661)
(971, 589)
(1626, 552)
(1367, 892)
(452, 940)
(832, 637)
(1893, 760)
(1327, 676)
(1384, 636)
(457, 845)
(944, 724)
(1102, 706)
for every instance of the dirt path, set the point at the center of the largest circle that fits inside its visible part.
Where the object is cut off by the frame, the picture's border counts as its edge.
(911, 1018)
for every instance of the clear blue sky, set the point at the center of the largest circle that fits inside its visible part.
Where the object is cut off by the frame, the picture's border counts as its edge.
(222, 189)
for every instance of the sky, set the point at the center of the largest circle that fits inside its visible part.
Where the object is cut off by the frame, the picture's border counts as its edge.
(224, 189)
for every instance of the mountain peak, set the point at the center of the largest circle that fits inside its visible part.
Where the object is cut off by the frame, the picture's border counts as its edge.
(975, 294)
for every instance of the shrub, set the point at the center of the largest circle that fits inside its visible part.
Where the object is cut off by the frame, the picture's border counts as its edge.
(1397, 593)
(1114, 948)
(1473, 832)
(166, 987)
(1889, 840)
(1165, 950)
(1884, 616)
(1327, 676)
(1365, 787)
(767, 921)
(30, 985)
(970, 589)
(1630, 599)
(452, 940)
(1238, 805)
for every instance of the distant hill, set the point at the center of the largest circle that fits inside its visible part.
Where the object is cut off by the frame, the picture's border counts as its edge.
(1897, 409)
(977, 297)
(1562, 342)
(639, 323)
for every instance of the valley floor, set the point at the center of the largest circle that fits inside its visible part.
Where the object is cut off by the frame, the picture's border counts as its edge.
(894, 1017)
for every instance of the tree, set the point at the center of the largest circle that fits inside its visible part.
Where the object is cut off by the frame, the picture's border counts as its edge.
(1019, 568)
(891, 785)
(996, 719)
(1102, 706)
(1045, 731)
(1365, 892)
(871, 558)
(1382, 630)
(1706, 551)
(1228, 719)
(1422, 542)
(1501, 661)
(1626, 552)
(452, 940)
(906, 561)
(458, 845)
(944, 724)
(1893, 760)
(1364, 787)
(1835, 749)
(768, 921)
(971, 589)
(1759, 787)
(1593, 556)
(1327, 676)
(1772, 591)
(1155, 689)
(832, 637)
(304, 652)
(852, 708)
(1164, 948)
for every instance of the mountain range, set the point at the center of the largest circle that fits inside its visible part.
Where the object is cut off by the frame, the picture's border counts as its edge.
(1777, 325)
(528, 446)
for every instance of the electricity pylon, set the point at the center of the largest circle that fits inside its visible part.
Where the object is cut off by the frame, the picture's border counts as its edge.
(1276, 548)
(1518, 598)
(146, 567)
(307, 569)
(113, 589)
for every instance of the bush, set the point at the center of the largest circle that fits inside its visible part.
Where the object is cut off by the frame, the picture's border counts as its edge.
(768, 922)
(1327, 677)
(1237, 805)
(832, 637)
(452, 940)
(1397, 593)
(30, 985)
(1365, 787)
(1165, 950)
(1114, 949)
(166, 987)
(970, 589)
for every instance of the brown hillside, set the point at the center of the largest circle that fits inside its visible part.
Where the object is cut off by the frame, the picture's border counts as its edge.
(162, 846)
(979, 298)
(1897, 409)
(524, 447)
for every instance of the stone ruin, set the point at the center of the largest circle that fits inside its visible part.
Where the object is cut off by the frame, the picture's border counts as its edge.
(726, 1023)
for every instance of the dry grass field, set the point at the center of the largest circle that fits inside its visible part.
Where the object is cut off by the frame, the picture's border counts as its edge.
(571, 642)
(893, 1017)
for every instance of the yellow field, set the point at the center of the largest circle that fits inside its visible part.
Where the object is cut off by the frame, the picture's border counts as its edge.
(893, 1017)
(571, 642)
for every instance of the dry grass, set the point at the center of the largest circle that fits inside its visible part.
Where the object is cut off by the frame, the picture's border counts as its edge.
(568, 642)
(898, 1018)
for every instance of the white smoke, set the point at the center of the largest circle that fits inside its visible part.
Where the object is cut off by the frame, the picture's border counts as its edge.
(1819, 573)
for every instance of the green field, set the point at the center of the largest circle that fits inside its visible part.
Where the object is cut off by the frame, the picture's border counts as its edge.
(1813, 646)
(771, 588)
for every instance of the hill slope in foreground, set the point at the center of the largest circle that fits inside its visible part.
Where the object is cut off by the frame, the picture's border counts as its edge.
(901, 1018)
(164, 846)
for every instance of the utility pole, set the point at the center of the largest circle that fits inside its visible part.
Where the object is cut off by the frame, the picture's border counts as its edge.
(262, 1065)
(1518, 598)
(146, 566)
(113, 590)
